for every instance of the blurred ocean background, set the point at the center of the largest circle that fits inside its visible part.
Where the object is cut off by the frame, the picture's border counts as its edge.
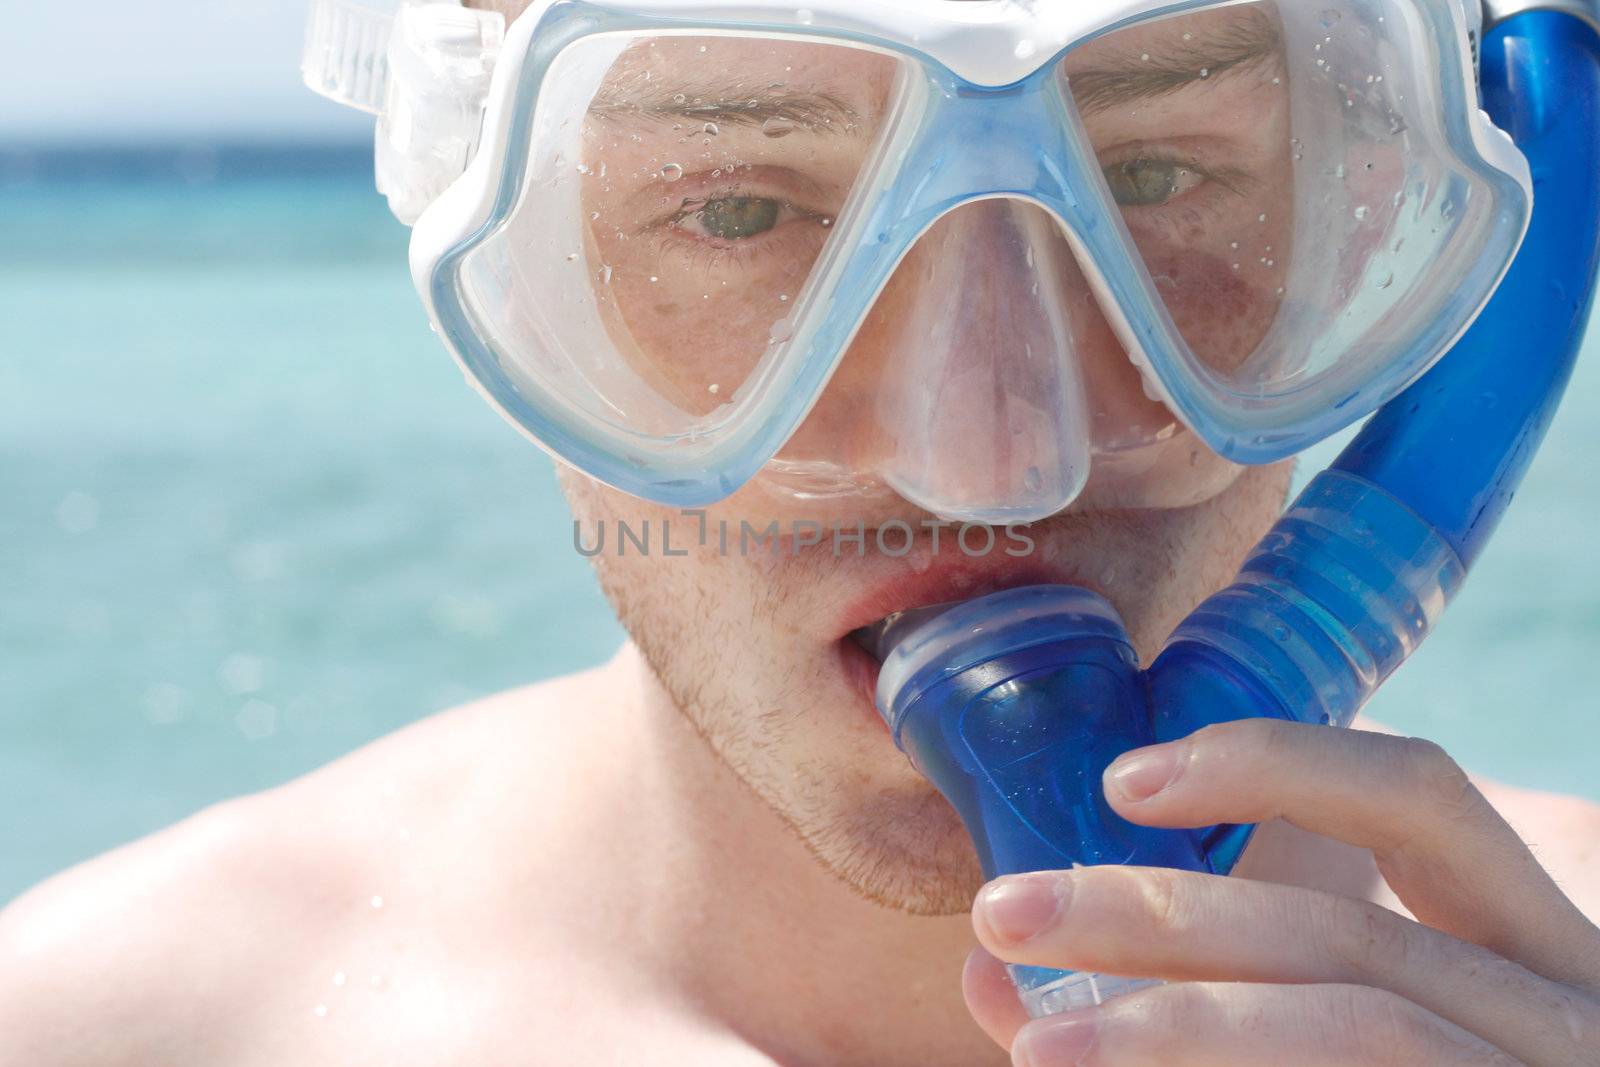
(251, 518)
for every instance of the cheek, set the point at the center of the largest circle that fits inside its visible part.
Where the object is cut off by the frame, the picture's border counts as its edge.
(1221, 306)
(695, 341)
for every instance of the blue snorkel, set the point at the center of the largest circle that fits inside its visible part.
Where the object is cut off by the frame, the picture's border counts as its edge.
(1014, 704)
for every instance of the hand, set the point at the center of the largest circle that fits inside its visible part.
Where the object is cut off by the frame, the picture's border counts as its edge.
(1501, 968)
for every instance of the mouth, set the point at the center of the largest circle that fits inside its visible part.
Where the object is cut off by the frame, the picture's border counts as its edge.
(879, 638)
(885, 615)
(865, 648)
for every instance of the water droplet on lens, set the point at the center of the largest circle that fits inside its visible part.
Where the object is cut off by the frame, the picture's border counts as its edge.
(805, 16)
(1385, 281)
(777, 127)
(1025, 49)
(711, 129)
(671, 172)
(1360, 212)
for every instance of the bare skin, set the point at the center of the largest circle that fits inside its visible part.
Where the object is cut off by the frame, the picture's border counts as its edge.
(556, 888)
(708, 851)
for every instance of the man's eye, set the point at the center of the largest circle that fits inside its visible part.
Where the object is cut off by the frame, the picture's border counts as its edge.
(1149, 182)
(734, 218)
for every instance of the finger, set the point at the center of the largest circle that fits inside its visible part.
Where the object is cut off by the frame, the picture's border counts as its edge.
(991, 997)
(1444, 850)
(1161, 923)
(1238, 1025)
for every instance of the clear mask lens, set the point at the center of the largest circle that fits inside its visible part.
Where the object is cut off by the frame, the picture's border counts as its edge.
(1284, 173)
(681, 192)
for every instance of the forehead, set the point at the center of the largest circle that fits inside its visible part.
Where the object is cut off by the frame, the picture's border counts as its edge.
(1195, 33)
(740, 78)
(773, 62)
(822, 83)
(1195, 38)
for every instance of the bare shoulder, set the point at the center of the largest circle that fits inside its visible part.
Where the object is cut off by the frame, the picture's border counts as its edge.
(123, 959)
(169, 949)
(1563, 832)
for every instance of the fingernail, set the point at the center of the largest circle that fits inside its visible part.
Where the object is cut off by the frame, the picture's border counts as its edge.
(1141, 774)
(1016, 909)
(1055, 1042)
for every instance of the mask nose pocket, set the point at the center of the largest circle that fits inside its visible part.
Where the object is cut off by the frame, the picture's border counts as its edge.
(980, 413)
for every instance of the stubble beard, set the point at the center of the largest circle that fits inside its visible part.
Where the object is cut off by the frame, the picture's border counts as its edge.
(902, 848)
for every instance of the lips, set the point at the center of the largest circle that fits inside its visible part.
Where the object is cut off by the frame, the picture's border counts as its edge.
(872, 622)
(943, 584)
(878, 638)
(861, 668)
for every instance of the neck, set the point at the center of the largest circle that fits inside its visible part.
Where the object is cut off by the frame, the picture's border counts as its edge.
(745, 925)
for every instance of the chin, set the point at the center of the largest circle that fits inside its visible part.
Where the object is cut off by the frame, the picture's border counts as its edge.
(903, 849)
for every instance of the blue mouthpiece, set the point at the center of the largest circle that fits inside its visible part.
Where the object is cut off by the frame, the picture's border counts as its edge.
(1014, 704)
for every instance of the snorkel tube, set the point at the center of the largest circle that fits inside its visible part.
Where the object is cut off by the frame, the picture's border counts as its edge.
(1014, 704)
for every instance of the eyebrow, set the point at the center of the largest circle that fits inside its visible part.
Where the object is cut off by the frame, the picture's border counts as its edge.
(1127, 79)
(730, 105)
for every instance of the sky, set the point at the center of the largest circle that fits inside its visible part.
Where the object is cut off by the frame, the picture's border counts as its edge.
(142, 71)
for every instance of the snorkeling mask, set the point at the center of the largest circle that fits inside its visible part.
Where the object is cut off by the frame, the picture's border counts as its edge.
(987, 256)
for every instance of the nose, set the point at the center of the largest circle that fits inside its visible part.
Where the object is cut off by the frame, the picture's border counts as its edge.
(984, 372)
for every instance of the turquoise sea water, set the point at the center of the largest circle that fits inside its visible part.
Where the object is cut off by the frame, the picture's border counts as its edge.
(250, 516)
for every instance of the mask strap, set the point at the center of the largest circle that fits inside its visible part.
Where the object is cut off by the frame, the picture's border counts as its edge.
(345, 51)
(421, 66)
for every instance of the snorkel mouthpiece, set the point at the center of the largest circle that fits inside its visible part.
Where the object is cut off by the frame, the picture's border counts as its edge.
(1014, 704)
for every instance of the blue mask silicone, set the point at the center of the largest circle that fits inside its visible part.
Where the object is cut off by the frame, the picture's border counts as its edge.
(1014, 704)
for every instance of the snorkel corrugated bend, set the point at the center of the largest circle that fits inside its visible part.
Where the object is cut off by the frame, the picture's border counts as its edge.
(1358, 570)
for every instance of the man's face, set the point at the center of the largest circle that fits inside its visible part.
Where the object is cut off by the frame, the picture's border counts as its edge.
(755, 650)
(709, 219)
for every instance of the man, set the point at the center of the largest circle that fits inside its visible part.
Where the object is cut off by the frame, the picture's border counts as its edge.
(709, 851)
